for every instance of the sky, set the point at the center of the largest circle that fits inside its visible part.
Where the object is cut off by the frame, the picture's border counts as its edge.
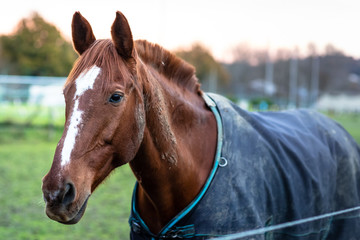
(220, 25)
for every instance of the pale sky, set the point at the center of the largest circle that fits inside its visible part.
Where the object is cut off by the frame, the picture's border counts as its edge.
(218, 24)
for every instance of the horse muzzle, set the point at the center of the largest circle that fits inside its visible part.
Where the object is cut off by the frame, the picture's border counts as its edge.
(63, 205)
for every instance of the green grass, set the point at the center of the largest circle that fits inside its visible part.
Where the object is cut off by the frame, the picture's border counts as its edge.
(351, 122)
(24, 159)
(31, 114)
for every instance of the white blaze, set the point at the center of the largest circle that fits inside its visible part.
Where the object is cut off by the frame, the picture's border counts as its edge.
(83, 83)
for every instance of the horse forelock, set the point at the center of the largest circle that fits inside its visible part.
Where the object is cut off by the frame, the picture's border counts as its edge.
(102, 53)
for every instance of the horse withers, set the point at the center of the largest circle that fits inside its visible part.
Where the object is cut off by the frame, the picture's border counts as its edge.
(204, 167)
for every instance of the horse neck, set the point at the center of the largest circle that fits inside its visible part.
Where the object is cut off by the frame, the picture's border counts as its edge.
(177, 152)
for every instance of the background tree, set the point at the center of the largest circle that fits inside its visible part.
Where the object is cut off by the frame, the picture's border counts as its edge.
(35, 48)
(204, 62)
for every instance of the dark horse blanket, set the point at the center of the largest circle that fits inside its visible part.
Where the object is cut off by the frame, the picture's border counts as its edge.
(281, 167)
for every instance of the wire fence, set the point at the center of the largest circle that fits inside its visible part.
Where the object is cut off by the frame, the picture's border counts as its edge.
(259, 231)
(31, 100)
(45, 91)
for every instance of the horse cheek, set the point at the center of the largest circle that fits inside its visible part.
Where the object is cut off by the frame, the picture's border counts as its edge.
(128, 138)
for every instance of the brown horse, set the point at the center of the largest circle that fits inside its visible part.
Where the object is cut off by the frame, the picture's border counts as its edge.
(130, 102)
(204, 167)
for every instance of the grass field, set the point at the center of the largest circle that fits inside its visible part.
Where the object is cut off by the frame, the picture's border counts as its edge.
(25, 157)
(26, 153)
(351, 123)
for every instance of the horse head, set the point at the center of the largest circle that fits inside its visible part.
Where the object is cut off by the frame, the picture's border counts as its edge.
(104, 109)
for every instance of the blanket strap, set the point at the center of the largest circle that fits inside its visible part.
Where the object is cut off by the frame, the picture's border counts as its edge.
(182, 232)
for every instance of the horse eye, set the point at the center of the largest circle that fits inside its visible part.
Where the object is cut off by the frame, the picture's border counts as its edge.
(115, 98)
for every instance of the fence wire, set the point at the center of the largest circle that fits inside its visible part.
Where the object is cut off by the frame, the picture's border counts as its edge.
(263, 230)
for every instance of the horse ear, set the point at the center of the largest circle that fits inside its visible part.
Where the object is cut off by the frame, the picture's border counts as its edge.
(82, 33)
(122, 36)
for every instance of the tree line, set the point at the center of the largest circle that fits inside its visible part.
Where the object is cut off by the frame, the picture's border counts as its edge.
(331, 72)
(35, 48)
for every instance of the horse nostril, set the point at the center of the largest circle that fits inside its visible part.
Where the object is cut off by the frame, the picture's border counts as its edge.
(69, 194)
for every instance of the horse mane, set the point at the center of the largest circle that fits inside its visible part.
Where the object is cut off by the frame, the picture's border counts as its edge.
(168, 64)
(103, 54)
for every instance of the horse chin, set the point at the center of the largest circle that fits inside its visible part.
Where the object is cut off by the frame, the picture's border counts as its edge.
(78, 216)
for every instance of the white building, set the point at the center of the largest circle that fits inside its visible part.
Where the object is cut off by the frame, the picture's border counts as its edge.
(339, 103)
